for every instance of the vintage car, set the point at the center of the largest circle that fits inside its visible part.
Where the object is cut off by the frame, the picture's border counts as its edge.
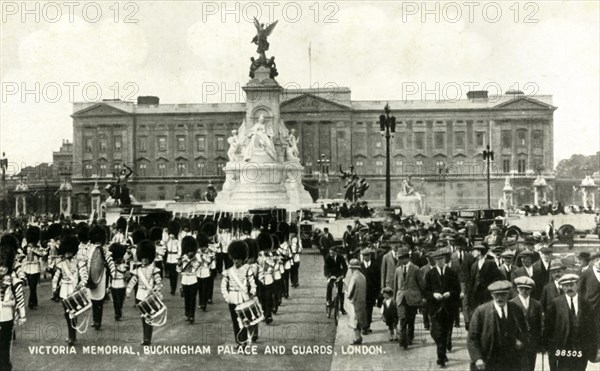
(567, 226)
(483, 219)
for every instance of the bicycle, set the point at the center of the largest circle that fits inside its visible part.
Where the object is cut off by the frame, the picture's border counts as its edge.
(335, 304)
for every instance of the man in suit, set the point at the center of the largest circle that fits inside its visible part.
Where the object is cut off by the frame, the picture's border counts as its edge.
(325, 243)
(335, 266)
(533, 315)
(466, 260)
(570, 334)
(442, 292)
(483, 273)
(424, 270)
(526, 258)
(589, 286)
(541, 272)
(371, 273)
(552, 288)
(498, 332)
(507, 266)
(529, 244)
(408, 285)
(357, 294)
(389, 263)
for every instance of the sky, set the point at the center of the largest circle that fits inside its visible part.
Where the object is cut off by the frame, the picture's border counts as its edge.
(53, 54)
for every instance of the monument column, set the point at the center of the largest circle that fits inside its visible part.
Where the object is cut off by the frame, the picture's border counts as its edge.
(508, 194)
(65, 198)
(589, 188)
(21, 199)
(96, 201)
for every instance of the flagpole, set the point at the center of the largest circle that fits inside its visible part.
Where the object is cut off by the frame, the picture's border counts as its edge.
(309, 65)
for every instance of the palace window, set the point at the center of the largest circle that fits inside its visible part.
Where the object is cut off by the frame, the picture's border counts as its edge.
(181, 143)
(420, 141)
(162, 143)
(102, 170)
(142, 169)
(479, 139)
(220, 143)
(116, 168)
(117, 143)
(521, 137)
(162, 169)
(359, 163)
(201, 143)
(87, 170)
(459, 140)
(538, 162)
(143, 144)
(506, 139)
(522, 165)
(439, 140)
(181, 169)
(201, 169)
(102, 144)
(506, 164)
(89, 146)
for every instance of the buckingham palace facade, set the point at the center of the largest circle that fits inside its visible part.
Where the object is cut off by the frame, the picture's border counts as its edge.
(176, 150)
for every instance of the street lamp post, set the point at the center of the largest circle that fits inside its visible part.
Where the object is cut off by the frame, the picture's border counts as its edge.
(324, 173)
(387, 126)
(488, 157)
(4, 166)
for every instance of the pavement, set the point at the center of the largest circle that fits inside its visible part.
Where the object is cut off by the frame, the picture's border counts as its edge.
(301, 337)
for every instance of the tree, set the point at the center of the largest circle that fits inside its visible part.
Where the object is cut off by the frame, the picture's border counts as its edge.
(578, 166)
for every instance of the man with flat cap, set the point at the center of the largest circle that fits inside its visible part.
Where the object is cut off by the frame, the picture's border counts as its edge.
(408, 285)
(541, 272)
(483, 273)
(533, 315)
(526, 268)
(498, 335)
(552, 288)
(442, 292)
(570, 332)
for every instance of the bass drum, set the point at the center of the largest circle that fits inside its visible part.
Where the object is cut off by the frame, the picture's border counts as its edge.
(95, 266)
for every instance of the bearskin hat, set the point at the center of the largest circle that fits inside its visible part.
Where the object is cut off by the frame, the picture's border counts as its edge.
(294, 228)
(54, 231)
(225, 223)
(273, 225)
(276, 242)
(155, 234)
(118, 251)
(121, 224)
(202, 239)
(264, 241)
(188, 244)
(138, 236)
(209, 227)
(246, 226)
(33, 235)
(236, 224)
(83, 232)
(283, 227)
(8, 251)
(195, 224)
(238, 250)
(69, 243)
(174, 227)
(280, 237)
(146, 250)
(256, 221)
(252, 248)
(98, 235)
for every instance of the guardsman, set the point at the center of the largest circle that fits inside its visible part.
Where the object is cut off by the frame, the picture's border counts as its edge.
(442, 292)
(71, 275)
(149, 280)
(296, 247)
(498, 334)
(204, 275)
(570, 332)
(156, 236)
(98, 291)
(54, 233)
(237, 287)
(188, 267)
(224, 238)
(120, 228)
(533, 315)
(285, 253)
(214, 245)
(266, 267)
(119, 282)
(12, 302)
(32, 263)
(173, 254)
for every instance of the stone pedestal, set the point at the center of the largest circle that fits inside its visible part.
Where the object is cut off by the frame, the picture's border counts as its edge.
(96, 200)
(65, 191)
(21, 192)
(589, 187)
(411, 205)
(507, 192)
(539, 190)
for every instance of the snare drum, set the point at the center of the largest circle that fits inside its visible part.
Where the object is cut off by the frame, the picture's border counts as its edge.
(250, 313)
(78, 302)
(153, 310)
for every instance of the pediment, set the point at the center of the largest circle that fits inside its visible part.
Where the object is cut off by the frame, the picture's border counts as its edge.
(398, 155)
(220, 158)
(311, 103)
(162, 159)
(143, 159)
(419, 155)
(439, 155)
(181, 158)
(200, 158)
(460, 155)
(378, 155)
(524, 103)
(359, 155)
(100, 109)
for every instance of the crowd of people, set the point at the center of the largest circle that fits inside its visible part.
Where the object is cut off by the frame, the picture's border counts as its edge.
(517, 298)
(258, 258)
(548, 208)
(355, 210)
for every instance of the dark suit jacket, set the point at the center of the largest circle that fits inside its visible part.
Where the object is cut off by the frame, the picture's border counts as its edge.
(557, 327)
(480, 280)
(390, 314)
(548, 294)
(335, 267)
(533, 316)
(372, 276)
(388, 267)
(541, 277)
(467, 264)
(589, 288)
(484, 331)
(434, 283)
(520, 272)
(408, 288)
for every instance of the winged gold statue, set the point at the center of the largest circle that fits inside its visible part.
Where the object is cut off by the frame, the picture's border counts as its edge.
(260, 39)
